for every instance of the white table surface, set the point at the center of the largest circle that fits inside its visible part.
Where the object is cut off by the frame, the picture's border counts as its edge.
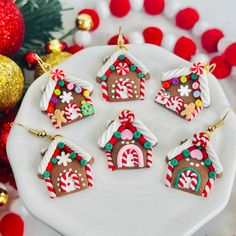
(219, 14)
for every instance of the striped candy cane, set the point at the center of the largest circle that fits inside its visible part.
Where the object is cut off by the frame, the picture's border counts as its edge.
(125, 156)
(104, 90)
(65, 182)
(50, 187)
(208, 187)
(109, 160)
(119, 87)
(196, 111)
(175, 104)
(169, 175)
(89, 175)
(183, 179)
(149, 157)
(142, 88)
(72, 112)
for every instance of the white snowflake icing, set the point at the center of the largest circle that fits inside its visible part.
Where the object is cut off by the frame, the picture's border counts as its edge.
(66, 97)
(63, 159)
(184, 90)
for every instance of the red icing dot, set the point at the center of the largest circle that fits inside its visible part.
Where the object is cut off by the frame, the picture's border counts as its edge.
(210, 39)
(230, 54)
(153, 35)
(166, 84)
(74, 48)
(94, 15)
(119, 8)
(223, 68)
(113, 40)
(185, 48)
(154, 7)
(186, 18)
(50, 109)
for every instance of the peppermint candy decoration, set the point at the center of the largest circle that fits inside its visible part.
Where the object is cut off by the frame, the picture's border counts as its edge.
(201, 139)
(126, 116)
(122, 68)
(198, 68)
(58, 74)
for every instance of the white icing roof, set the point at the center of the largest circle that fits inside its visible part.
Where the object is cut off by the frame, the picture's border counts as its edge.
(113, 127)
(113, 58)
(209, 149)
(203, 79)
(51, 149)
(47, 94)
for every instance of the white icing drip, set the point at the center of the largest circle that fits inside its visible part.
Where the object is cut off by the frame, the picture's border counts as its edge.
(49, 89)
(48, 155)
(181, 71)
(113, 58)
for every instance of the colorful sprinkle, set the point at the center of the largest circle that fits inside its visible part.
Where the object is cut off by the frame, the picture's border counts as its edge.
(147, 145)
(140, 75)
(196, 94)
(194, 76)
(46, 174)
(207, 162)
(198, 103)
(54, 160)
(195, 85)
(83, 102)
(73, 155)
(175, 81)
(61, 83)
(108, 146)
(86, 93)
(186, 153)
(117, 134)
(112, 67)
(50, 109)
(78, 89)
(57, 92)
(174, 162)
(121, 57)
(166, 85)
(54, 99)
(137, 134)
(61, 145)
(103, 78)
(183, 79)
(83, 162)
(70, 86)
(212, 174)
(133, 67)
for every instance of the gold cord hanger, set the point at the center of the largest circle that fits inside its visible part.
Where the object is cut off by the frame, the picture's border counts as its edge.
(121, 41)
(45, 66)
(209, 68)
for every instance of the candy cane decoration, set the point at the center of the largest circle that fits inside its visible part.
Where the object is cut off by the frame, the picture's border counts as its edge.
(175, 104)
(119, 87)
(142, 88)
(50, 187)
(134, 159)
(149, 157)
(200, 139)
(54, 121)
(72, 112)
(183, 179)
(169, 175)
(89, 175)
(208, 187)
(109, 160)
(198, 68)
(194, 114)
(122, 68)
(65, 185)
(162, 96)
(104, 90)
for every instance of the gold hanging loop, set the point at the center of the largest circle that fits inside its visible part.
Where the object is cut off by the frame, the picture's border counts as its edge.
(45, 66)
(120, 41)
(209, 68)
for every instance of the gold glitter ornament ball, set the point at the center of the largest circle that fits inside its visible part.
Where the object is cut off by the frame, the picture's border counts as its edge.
(53, 59)
(11, 83)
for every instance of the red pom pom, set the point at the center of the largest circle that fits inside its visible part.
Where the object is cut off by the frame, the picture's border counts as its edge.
(154, 7)
(12, 224)
(74, 48)
(153, 35)
(113, 40)
(223, 68)
(94, 15)
(230, 54)
(185, 48)
(210, 39)
(119, 8)
(186, 18)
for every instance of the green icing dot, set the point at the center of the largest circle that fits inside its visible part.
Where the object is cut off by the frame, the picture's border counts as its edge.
(147, 145)
(186, 153)
(174, 162)
(103, 77)
(61, 145)
(212, 174)
(207, 162)
(73, 155)
(137, 134)
(54, 160)
(183, 79)
(117, 134)
(46, 174)
(61, 83)
(108, 146)
(121, 57)
(200, 147)
(83, 162)
(140, 75)
(112, 67)
(194, 76)
(133, 67)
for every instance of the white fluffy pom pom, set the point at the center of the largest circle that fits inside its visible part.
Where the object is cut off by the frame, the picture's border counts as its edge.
(233, 71)
(136, 37)
(136, 5)
(17, 207)
(82, 37)
(168, 42)
(224, 43)
(171, 9)
(102, 8)
(201, 57)
(199, 28)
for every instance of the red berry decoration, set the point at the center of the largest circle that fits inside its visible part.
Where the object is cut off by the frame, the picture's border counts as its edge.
(223, 68)
(113, 40)
(12, 225)
(186, 18)
(30, 60)
(153, 35)
(119, 8)
(230, 54)
(185, 48)
(154, 7)
(12, 28)
(74, 49)
(94, 15)
(210, 39)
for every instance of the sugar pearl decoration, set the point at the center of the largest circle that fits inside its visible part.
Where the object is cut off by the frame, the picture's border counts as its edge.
(200, 57)
(171, 9)
(224, 43)
(136, 5)
(82, 37)
(103, 9)
(136, 37)
(17, 207)
(199, 28)
(168, 42)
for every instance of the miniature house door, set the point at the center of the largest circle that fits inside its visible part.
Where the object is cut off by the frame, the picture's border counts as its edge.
(69, 182)
(130, 156)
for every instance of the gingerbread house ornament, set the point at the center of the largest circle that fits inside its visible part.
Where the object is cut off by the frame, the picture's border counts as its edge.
(185, 90)
(66, 99)
(123, 77)
(127, 142)
(65, 168)
(193, 166)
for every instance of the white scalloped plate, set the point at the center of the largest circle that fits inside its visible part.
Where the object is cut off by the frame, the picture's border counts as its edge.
(130, 202)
